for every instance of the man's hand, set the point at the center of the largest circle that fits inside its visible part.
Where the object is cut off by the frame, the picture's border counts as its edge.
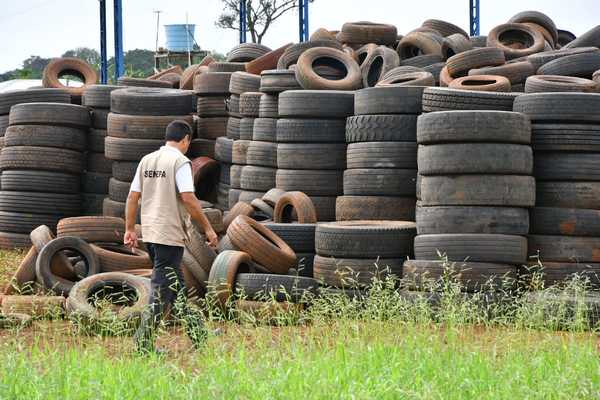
(212, 238)
(130, 239)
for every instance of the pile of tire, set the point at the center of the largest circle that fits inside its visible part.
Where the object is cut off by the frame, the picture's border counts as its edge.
(350, 254)
(311, 145)
(380, 179)
(136, 127)
(564, 228)
(41, 167)
(475, 190)
(98, 169)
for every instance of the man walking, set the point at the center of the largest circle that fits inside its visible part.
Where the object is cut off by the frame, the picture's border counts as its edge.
(164, 184)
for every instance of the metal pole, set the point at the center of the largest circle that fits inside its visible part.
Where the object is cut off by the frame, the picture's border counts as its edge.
(303, 19)
(103, 57)
(243, 23)
(119, 64)
(474, 17)
(157, 12)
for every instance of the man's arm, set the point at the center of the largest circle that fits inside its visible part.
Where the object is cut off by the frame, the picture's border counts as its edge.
(131, 208)
(193, 206)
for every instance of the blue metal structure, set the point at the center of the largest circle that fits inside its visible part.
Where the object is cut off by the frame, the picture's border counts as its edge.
(243, 21)
(103, 57)
(474, 17)
(303, 19)
(119, 62)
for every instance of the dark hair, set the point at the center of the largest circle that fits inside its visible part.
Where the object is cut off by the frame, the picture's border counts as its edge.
(178, 130)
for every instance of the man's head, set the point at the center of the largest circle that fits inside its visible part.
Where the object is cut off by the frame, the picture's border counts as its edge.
(179, 134)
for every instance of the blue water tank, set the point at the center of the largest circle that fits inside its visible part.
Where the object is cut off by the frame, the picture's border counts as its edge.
(180, 37)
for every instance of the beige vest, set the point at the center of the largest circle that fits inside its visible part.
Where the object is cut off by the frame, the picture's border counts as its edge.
(164, 217)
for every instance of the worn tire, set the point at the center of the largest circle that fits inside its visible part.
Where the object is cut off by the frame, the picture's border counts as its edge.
(118, 190)
(56, 114)
(278, 287)
(466, 219)
(375, 208)
(98, 96)
(278, 80)
(262, 154)
(396, 155)
(93, 229)
(523, 40)
(40, 95)
(445, 99)
(556, 83)
(269, 106)
(120, 149)
(40, 158)
(45, 136)
(315, 156)
(296, 204)
(381, 128)
(572, 107)
(565, 248)
(142, 126)
(41, 203)
(565, 221)
(311, 130)
(118, 258)
(151, 101)
(312, 183)
(257, 178)
(242, 82)
(380, 182)
(581, 65)
(40, 181)
(566, 137)
(388, 100)
(316, 104)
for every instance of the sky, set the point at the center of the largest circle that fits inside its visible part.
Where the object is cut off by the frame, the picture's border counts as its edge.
(50, 27)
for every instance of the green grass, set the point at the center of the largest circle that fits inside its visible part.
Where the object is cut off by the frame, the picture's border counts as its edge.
(349, 360)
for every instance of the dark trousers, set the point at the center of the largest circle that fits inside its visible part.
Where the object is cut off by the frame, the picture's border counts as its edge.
(168, 291)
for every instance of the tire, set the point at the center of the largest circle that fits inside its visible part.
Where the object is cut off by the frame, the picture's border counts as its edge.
(276, 81)
(300, 237)
(478, 190)
(201, 252)
(556, 83)
(212, 106)
(12, 241)
(538, 18)
(257, 178)
(247, 196)
(265, 129)
(233, 128)
(311, 130)
(460, 64)
(481, 83)
(315, 156)
(565, 221)
(416, 44)
(381, 128)
(239, 208)
(562, 166)
(55, 114)
(245, 52)
(375, 208)
(295, 204)
(45, 136)
(3, 124)
(247, 128)
(476, 158)
(100, 118)
(557, 273)
(45, 95)
(223, 66)
(420, 78)
(151, 101)
(93, 229)
(471, 276)
(455, 44)
(435, 70)
(142, 126)
(233, 106)
(92, 204)
(267, 61)
(354, 272)
(118, 258)
(473, 126)
(205, 172)
(250, 103)
(239, 150)
(380, 182)
(465, 219)
(565, 248)
(58, 67)
(236, 176)
(120, 149)
(368, 32)
(444, 99)
(365, 239)
(266, 248)
(388, 100)
(44, 261)
(545, 57)
(78, 303)
(516, 72)
(24, 223)
(211, 128)
(262, 208)
(242, 82)
(262, 154)
(34, 306)
(272, 196)
(95, 141)
(581, 65)
(584, 195)
(325, 206)
(444, 28)
(589, 38)
(224, 149)
(312, 183)
(488, 248)
(279, 287)
(566, 137)
(221, 280)
(382, 155)
(202, 148)
(98, 96)
(378, 63)
(41, 158)
(64, 205)
(575, 107)
(269, 106)
(118, 191)
(40, 181)
(124, 170)
(291, 54)
(143, 83)
(523, 40)
(316, 104)
(23, 280)
(111, 208)
(422, 61)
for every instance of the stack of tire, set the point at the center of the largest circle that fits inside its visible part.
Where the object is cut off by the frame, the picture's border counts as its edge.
(311, 148)
(244, 102)
(565, 222)
(136, 127)
(351, 253)
(42, 165)
(476, 187)
(98, 169)
(380, 179)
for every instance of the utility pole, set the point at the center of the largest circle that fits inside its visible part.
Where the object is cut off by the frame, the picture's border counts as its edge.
(119, 62)
(243, 26)
(103, 56)
(474, 17)
(303, 19)
(157, 12)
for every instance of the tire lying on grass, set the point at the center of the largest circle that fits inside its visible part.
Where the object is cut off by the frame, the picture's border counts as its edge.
(354, 272)
(278, 287)
(93, 229)
(34, 306)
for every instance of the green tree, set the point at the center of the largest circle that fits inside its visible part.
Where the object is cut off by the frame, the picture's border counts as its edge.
(260, 15)
(90, 56)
